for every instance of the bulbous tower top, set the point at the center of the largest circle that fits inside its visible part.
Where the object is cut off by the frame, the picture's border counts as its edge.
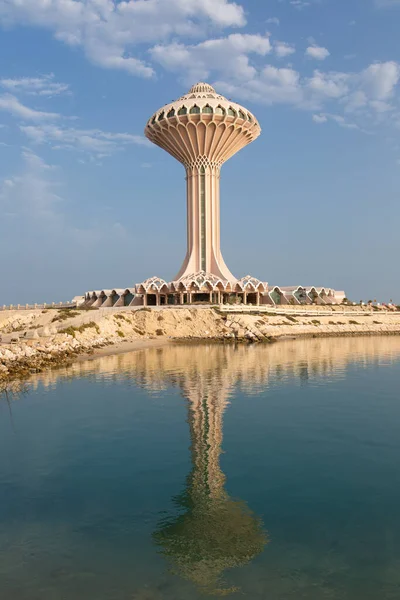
(202, 126)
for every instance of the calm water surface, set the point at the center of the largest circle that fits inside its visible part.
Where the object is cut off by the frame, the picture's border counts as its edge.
(189, 471)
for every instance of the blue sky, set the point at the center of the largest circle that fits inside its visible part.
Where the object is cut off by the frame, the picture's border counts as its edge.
(87, 203)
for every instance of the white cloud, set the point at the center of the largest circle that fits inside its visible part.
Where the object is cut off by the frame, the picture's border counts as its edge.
(365, 94)
(271, 86)
(33, 193)
(109, 30)
(317, 52)
(328, 85)
(300, 4)
(273, 21)
(379, 79)
(380, 106)
(320, 118)
(282, 49)
(11, 104)
(341, 121)
(229, 54)
(36, 86)
(92, 141)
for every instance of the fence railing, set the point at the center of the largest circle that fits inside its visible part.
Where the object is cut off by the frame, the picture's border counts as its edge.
(301, 312)
(38, 306)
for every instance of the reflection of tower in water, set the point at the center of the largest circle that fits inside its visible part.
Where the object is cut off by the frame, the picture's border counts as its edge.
(213, 533)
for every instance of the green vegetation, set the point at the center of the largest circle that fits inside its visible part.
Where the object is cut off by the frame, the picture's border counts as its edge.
(377, 323)
(315, 322)
(64, 314)
(121, 318)
(138, 331)
(160, 318)
(292, 319)
(120, 333)
(159, 332)
(73, 330)
(351, 322)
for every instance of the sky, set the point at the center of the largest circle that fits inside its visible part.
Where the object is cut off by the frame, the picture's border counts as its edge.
(86, 202)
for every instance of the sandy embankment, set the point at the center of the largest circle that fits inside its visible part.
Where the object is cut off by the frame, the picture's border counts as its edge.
(35, 340)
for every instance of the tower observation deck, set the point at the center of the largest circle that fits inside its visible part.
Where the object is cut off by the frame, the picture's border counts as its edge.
(203, 130)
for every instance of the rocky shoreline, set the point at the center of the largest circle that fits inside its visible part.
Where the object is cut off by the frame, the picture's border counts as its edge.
(44, 339)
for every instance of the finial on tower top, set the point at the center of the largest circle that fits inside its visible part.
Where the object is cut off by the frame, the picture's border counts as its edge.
(202, 88)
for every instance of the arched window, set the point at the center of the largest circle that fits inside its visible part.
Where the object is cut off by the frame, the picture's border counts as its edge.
(161, 116)
(231, 112)
(207, 110)
(242, 115)
(194, 110)
(153, 121)
(250, 118)
(171, 113)
(182, 111)
(220, 111)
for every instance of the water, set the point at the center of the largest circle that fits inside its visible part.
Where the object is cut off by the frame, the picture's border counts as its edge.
(191, 471)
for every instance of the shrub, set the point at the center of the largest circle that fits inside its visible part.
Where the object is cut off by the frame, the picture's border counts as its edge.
(316, 322)
(351, 322)
(64, 314)
(120, 318)
(72, 330)
(160, 318)
(120, 333)
(69, 331)
(159, 332)
(332, 323)
(138, 331)
(377, 323)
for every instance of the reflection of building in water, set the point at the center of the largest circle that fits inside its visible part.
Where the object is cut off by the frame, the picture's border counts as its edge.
(212, 533)
(251, 369)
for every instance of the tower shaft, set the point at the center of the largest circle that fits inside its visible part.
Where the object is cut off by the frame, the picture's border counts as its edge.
(203, 223)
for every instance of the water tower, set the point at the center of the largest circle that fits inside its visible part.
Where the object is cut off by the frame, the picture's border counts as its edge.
(203, 130)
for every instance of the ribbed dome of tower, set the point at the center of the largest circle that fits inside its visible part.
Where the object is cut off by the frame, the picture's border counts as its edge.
(217, 127)
(201, 88)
